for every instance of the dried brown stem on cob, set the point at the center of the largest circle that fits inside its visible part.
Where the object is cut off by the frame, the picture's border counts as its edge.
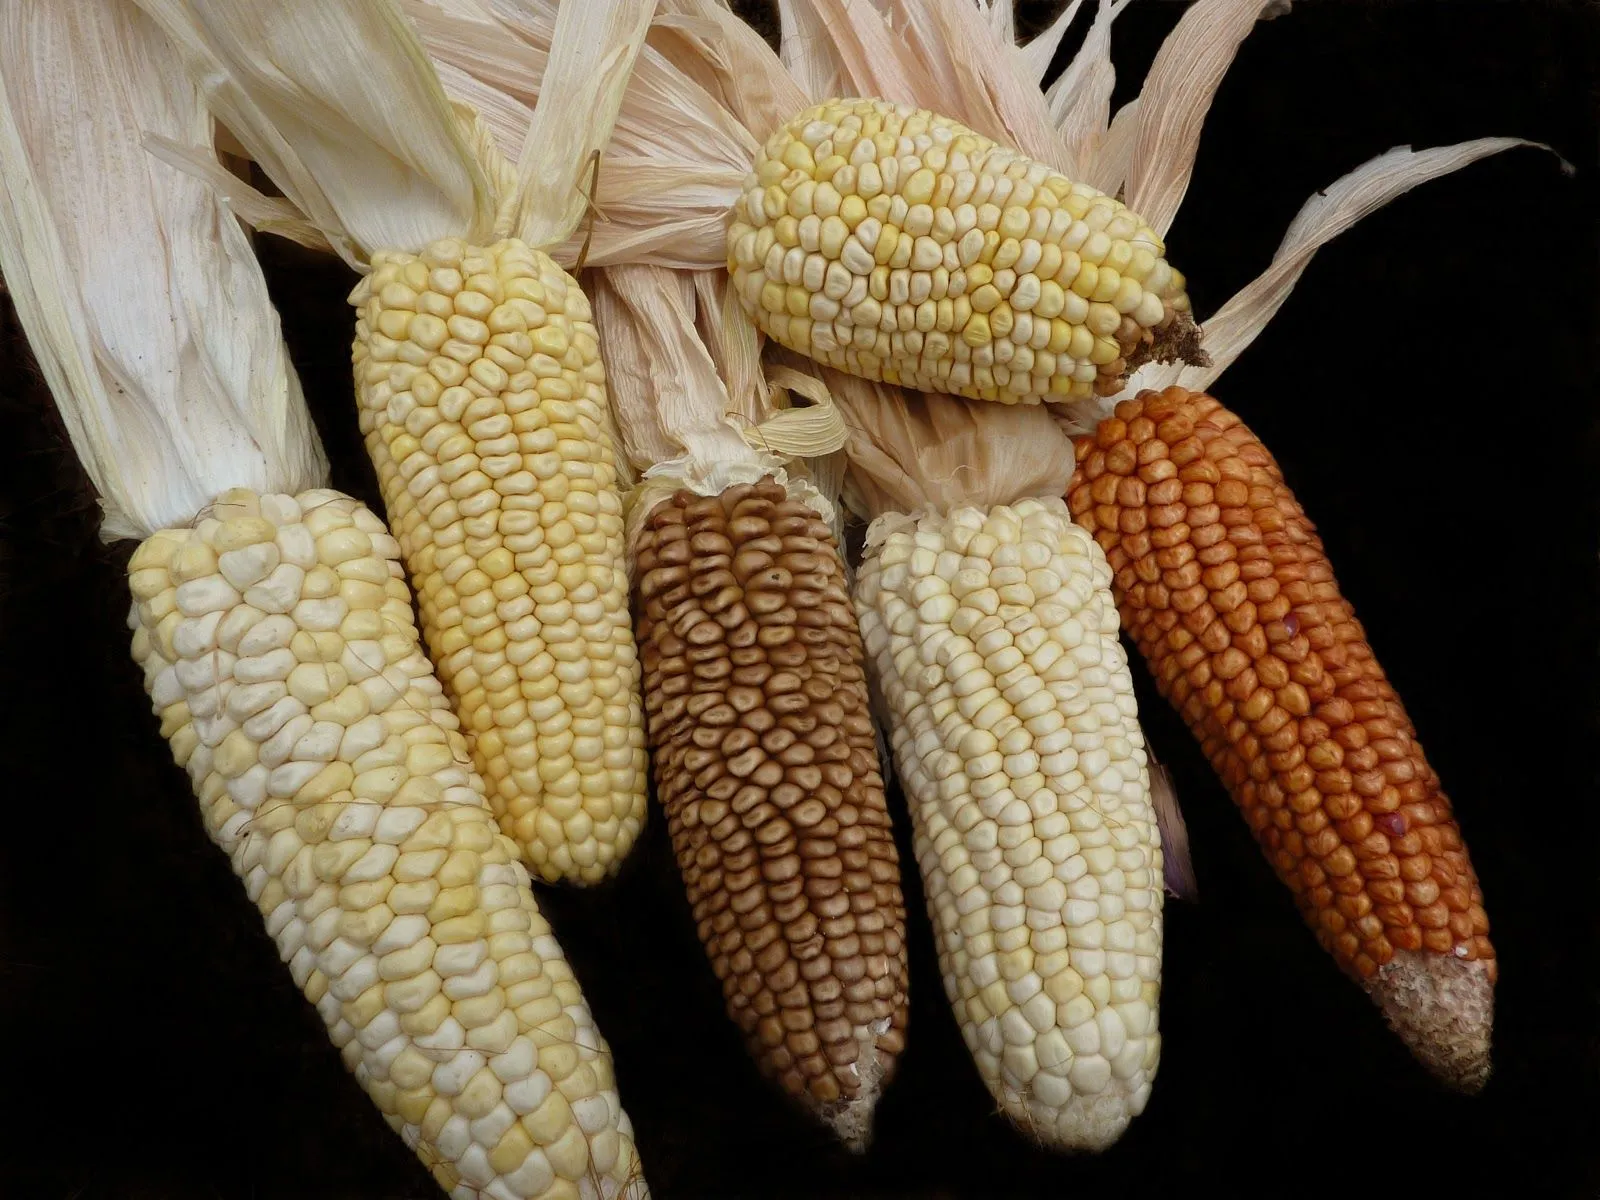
(1223, 583)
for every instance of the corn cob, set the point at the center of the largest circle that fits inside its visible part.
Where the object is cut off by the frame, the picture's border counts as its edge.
(1013, 724)
(279, 650)
(480, 388)
(482, 400)
(901, 246)
(1225, 587)
(767, 769)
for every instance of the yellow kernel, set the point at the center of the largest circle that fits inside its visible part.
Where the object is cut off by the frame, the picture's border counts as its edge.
(832, 236)
(1081, 344)
(1013, 222)
(1105, 351)
(1106, 284)
(797, 156)
(919, 188)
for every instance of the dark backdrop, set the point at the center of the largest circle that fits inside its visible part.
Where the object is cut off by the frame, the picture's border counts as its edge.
(1430, 393)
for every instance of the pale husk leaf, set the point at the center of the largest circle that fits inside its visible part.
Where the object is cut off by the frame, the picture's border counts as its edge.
(1080, 98)
(1108, 166)
(136, 286)
(339, 106)
(1002, 19)
(343, 110)
(677, 155)
(978, 73)
(678, 424)
(1231, 329)
(671, 29)
(1173, 103)
(595, 43)
(916, 453)
(267, 214)
(664, 387)
(759, 93)
(803, 49)
(867, 51)
(734, 344)
(1035, 57)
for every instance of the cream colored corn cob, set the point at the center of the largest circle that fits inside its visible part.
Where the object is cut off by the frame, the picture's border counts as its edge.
(993, 638)
(898, 245)
(280, 652)
(482, 398)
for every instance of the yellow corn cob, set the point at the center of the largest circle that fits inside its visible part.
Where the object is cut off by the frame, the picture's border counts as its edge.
(901, 246)
(280, 652)
(482, 399)
(993, 638)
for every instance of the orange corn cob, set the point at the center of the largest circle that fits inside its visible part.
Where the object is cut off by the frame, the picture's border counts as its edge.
(1223, 583)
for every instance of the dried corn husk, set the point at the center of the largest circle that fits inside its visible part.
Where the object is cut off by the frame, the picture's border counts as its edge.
(153, 330)
(379, 157)
(678, 422)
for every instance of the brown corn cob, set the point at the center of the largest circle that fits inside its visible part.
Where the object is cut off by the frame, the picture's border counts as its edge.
(767, 770)
(1223, 583)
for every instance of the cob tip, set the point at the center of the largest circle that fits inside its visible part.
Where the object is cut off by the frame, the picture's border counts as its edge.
(1176, 339)
(1443, 1009)
(851, 1119)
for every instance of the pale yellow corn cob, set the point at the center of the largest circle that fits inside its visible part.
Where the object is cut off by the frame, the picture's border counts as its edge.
(1011, 715)
(898, 245)
(280, 652)
(483, 403)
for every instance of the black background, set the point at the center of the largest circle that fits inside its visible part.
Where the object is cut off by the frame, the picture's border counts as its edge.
(1430, 393)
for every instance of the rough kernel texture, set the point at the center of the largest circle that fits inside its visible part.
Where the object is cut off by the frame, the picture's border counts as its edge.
(993, 639)
(899, 245)
(329, 768)
(767, 768)
(1223, 583)
(483, 403)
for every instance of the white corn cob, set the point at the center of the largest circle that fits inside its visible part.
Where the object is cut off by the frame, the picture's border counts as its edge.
(279, 649)
(993, 640)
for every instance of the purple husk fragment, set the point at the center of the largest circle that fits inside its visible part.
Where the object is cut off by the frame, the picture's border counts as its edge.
(1176, 868)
